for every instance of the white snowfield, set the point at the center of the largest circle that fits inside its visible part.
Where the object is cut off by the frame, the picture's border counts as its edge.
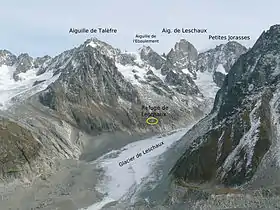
(221, 69)
(206, 85)
(9, 88)
(121, 182)
(140, 69)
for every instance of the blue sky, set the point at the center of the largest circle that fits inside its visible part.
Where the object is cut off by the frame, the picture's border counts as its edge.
(41, 27)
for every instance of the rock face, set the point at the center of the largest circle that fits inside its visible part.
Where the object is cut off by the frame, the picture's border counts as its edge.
(183, 56)
(230, 144)
(151, 57)
(182, 50)
(183, 83)
(30, 145)
(88, 90)
(225, 54)
(42, 62)
(218, 78)
(219, 60)
(18, 149)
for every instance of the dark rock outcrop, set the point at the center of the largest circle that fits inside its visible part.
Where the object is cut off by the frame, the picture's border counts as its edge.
(183, 56)
(18, 149)
(151, 57)
(219, 78)
(183, 82)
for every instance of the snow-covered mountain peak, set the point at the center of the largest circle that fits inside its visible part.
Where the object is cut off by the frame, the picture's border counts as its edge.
(183, 50)
(184, 46)
(225, 54)
(5, 53)
(210, 68)
(230, 44)
(7, 58)
(102, 47)
(144, 50)
(152, 58)
(95, 40)
(183, 56)
(24, 63)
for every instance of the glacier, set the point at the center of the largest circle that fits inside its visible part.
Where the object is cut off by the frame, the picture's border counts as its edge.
(131, 176)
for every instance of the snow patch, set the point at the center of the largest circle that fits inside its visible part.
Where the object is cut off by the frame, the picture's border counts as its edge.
(221, 69)
(99, 205)
(158, 73)
(129, 75)
(206, 85)
(277, 68)
(92, 44)
(255, 64)
(219, 153)
(247, 142)
(103, 48)
(134, 73)
(186, 71)
(275, 118)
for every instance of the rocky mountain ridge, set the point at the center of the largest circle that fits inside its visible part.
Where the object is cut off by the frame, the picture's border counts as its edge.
(237, 143)
(219, 60)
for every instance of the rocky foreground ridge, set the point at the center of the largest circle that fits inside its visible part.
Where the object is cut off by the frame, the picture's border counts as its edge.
(237, 144)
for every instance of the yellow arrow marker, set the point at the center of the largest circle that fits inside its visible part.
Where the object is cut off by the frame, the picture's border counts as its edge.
(148, 121)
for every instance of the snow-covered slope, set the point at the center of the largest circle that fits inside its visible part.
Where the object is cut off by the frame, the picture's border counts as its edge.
(28, 84)
(20, 77)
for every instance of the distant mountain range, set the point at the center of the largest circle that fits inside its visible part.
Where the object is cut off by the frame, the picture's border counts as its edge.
(49, 106)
